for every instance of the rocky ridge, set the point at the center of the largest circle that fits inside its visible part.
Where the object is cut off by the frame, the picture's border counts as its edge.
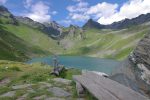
(7, 16)
(135, 70)
(126, 23)
(51, 28)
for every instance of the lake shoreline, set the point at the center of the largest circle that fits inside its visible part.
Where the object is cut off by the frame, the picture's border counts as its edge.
(82, 63)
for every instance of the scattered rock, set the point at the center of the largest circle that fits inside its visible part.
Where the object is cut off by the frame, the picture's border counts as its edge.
(23, 97)
(80, 99)
(45, 84)
(68, 88)
(54, 98)
(21, 86)
(63, 81)
(8, 94)
(40, 97)
(59, 92)
(4, 81)
(30, 90)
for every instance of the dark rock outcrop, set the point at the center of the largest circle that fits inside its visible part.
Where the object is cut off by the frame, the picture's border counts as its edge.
(130, 22)
(3, 10)
(93, 24)
(6, 17)
(51, 28)
(142, 52)
(136, 68)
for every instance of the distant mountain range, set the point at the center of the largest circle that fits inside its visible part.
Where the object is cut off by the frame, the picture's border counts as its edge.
(37, 38)
(53, 29)
(6, 16)
(21, 38)
(126, 23)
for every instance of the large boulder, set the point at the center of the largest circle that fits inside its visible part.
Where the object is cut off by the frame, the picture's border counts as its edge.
(135, 70)
(8, 94)
(59, 92)
(62, 81)
(22, 86)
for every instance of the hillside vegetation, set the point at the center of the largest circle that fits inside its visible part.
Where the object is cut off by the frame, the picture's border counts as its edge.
(14, 48)
(29, 42)
(24, 81)
(34, 37)
(23, 39)
(116, 44)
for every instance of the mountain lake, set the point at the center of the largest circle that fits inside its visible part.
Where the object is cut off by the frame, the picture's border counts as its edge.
(82, 63)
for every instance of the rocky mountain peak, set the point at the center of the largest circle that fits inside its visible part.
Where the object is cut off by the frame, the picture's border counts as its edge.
(24, 18)
(53, 24)
(93, 24)
(50, 28)
(126, 23)
(74, 26)
(3, 9)
(5, 14)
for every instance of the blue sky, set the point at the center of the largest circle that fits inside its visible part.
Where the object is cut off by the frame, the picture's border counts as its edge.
(77, 12)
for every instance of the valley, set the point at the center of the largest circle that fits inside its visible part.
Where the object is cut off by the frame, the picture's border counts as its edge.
(40, 41)
(27, 47)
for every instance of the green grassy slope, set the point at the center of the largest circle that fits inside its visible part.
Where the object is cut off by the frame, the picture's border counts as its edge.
(19, 41)
(37, 75)
(116, 44)
(14, 48)
(34, 37)
(24, 41)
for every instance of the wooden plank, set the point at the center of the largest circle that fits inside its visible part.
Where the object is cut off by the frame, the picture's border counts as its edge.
(115, 88)
(96, 90)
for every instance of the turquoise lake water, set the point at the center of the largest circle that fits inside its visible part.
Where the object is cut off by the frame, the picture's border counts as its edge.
(83, 63)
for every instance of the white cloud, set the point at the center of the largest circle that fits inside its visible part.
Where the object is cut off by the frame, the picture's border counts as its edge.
(79, 7)
(54, 12)
(3, 1)
(76, 11)
(28, 3)
(65, 22)
(39, 12)
(130, 9)
(107, 13)
(79, 17)
(102, 9)
(77, 0)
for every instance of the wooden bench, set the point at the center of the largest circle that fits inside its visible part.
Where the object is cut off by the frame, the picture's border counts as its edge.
(106, 89)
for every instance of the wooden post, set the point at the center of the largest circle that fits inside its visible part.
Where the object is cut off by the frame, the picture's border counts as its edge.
(55, 62)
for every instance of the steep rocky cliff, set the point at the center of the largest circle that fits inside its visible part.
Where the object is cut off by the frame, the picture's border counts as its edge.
(51, 28)
(140, 58)
(6, 17)
(135, 70)
(93, 24)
